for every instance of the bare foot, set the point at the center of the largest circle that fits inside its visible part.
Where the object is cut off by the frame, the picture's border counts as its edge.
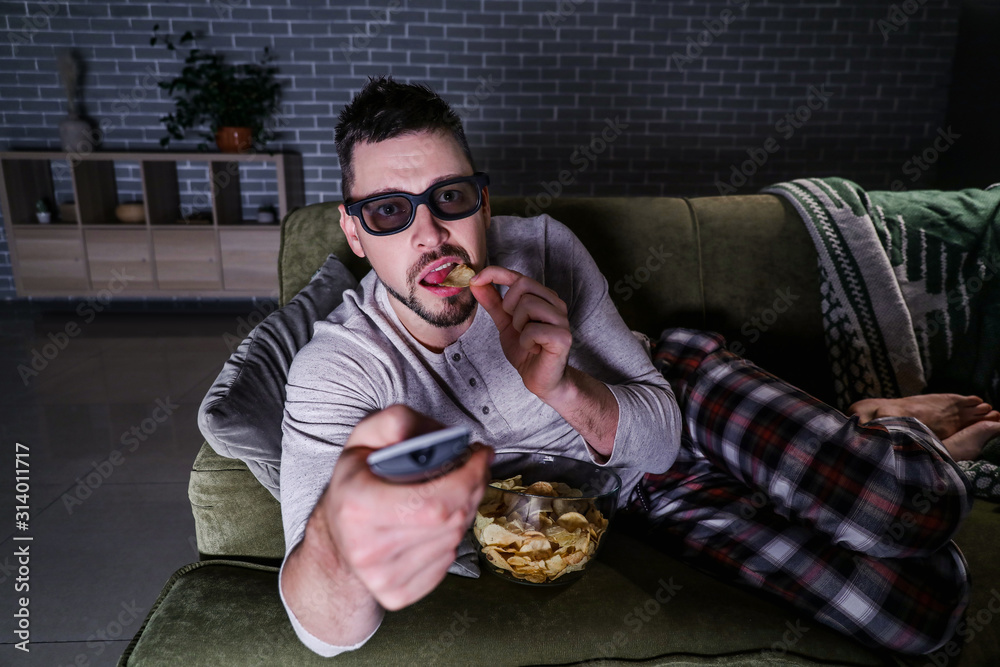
(967, 444)
(944, 414)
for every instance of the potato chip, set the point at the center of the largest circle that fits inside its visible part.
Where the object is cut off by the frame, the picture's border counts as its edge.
(563, 505)
(458, 276)
(573, 521)
(496, 558)
(496, 535)
(541, 489)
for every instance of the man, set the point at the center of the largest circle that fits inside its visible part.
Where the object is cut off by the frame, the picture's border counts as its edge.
(547, 363)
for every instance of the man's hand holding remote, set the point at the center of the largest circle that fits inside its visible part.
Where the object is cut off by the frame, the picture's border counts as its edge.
(372, 545)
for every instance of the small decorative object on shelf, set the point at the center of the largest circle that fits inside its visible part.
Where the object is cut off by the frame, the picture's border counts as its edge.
(266, 214)
(131, 213)
(42, 212)
(76, 132)
(234, 101)
(196, 218)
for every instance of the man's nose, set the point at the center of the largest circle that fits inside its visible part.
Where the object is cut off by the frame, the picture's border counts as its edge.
(428, 231)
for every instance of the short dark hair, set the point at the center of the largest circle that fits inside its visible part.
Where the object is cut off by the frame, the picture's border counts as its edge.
(385, 109)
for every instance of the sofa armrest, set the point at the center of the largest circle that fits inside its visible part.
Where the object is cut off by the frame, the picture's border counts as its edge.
(234, 516)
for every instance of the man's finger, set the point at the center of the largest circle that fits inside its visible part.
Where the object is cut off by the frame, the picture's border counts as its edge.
(489, 298)
(496, 274)
(519, 285)
(405, 591)
(389, 426)
(525, 288)
(533, 308)
(553, 340)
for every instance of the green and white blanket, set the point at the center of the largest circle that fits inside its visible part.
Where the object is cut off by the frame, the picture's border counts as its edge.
(909, 289)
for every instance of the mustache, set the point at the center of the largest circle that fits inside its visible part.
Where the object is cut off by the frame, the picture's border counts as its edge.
(444, 251)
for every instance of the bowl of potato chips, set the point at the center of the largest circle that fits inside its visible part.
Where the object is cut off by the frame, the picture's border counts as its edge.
(543, 517)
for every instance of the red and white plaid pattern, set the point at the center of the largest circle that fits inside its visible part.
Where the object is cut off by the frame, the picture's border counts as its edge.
(851, 524)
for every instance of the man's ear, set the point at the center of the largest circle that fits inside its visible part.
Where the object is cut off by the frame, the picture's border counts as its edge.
(486, 204)
(350, 228)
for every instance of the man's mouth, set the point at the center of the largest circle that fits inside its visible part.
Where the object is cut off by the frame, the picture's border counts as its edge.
(438, 274)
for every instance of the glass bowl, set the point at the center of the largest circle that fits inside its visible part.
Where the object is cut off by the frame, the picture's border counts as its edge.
(543, 517)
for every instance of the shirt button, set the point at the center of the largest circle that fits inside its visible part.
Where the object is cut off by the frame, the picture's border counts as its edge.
(472, 381)
(456, 357)
(486, 409)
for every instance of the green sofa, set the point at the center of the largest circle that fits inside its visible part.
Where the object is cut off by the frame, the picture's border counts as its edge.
(743, 266)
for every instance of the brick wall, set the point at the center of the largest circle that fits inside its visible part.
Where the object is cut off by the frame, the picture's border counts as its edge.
(587, 97)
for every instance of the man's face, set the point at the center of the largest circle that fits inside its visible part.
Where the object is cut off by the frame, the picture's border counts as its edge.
(411, 164)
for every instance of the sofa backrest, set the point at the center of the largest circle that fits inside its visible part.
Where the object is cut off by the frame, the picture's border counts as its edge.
(743, 266)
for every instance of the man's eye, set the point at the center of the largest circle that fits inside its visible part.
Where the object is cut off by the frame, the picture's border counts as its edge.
(387, 209)
(449, 196)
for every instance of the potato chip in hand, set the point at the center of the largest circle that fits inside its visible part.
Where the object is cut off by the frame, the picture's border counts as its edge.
(458, 276)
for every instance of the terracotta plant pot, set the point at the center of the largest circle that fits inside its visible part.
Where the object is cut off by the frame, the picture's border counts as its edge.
(234, 139)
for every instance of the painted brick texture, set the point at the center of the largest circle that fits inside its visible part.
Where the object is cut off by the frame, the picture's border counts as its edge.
(580, 97)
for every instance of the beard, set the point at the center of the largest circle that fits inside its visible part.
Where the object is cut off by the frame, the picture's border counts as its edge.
(454, 309)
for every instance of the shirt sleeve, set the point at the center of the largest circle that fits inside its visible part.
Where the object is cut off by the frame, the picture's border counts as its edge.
(649, 420)
(312, 642)
(322, 407)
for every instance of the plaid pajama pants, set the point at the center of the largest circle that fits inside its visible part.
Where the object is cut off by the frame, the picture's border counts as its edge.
(772, 488)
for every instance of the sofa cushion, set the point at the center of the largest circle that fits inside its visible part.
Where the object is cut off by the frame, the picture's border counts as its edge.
(635, 605)
(240, 416)
(762, 287)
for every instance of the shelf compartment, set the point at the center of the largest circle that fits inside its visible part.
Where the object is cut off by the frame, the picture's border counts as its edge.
(187, 259)
(227, 201)
(24, 183)
(161, 192)
(96, 191)
(122, 255)
(250, 259)
(50, 259)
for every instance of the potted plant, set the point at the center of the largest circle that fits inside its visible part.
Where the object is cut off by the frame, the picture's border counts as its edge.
(233, 101)
(42, 212)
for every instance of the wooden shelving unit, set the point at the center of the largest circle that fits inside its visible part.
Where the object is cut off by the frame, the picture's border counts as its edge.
(163, 256)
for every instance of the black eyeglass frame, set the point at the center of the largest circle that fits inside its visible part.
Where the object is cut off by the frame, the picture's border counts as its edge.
(480, 178)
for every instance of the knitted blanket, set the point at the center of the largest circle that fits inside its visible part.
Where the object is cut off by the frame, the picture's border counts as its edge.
(909, 294)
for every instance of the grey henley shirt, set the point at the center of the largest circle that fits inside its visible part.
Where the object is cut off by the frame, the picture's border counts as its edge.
(361, 359)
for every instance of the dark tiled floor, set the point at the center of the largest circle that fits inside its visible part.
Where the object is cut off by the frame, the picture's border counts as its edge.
(108, 528)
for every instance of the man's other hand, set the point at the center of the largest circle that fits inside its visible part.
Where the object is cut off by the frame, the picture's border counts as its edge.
(533, 325)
